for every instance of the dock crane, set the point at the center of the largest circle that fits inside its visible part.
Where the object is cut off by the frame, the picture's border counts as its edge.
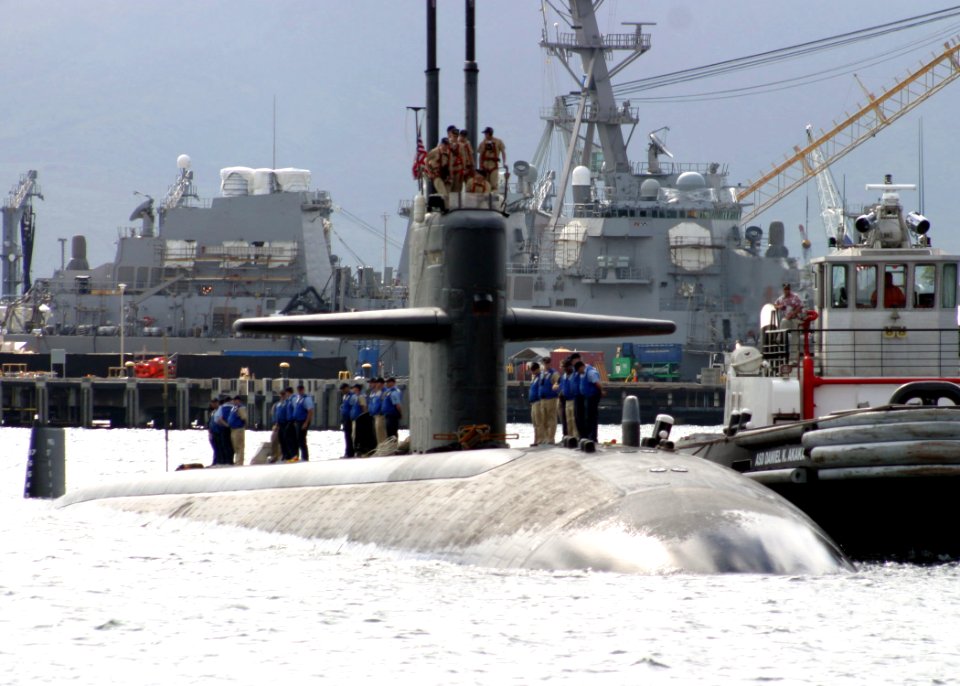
(19, 225)
(831, 205)
(877, 114)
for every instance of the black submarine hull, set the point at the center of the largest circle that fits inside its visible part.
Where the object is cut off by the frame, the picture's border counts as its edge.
(629, 510)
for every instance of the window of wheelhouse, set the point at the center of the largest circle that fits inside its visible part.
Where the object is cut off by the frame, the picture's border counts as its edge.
(948, 290)
(838, 286)
(924, 286)
(894, 285)
(866, 294)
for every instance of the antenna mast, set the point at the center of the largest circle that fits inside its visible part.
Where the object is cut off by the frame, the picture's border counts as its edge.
(471, 77)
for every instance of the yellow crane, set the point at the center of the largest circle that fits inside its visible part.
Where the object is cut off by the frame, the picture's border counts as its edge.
(877, 114)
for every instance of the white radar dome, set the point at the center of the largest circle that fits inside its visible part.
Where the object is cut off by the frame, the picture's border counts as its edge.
(691, 181)
(580, 176)
(183, 162)
(649, 189)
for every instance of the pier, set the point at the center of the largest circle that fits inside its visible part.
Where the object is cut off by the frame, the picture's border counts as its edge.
(137, 403)
(93, 390)
(688, 403)
(182, 403)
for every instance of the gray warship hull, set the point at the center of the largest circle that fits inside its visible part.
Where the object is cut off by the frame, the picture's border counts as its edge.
(260, 249)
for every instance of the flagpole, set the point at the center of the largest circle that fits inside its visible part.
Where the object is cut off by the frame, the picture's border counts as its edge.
(417, 131)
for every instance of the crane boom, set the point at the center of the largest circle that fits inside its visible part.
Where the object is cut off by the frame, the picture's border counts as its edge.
(877, 114)
(18, 227)
(831, 206)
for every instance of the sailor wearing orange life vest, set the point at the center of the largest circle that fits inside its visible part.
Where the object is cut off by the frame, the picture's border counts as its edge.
(466, 155)
(437, 166)
(456, 160)
(491, 151)
(477, 183)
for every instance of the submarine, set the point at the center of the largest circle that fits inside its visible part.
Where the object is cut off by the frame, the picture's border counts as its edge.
(637, 508)
(626, 508)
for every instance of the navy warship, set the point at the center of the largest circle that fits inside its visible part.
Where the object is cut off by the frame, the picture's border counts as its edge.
(651, 236)
(191, 269)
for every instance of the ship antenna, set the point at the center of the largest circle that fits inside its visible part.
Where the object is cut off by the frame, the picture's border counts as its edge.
(471, 77)
(920, 173)
(421, 152)
(274, 131)
(433, 78)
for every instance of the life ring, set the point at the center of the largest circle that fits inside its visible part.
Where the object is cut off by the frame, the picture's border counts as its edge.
(928, 392)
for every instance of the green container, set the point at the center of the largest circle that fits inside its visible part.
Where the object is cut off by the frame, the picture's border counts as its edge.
(622, 368)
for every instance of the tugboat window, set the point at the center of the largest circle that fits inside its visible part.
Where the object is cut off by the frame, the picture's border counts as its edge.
(866, 286)
(924, 285)
(838, 286)
(949, 289)
(894, 285)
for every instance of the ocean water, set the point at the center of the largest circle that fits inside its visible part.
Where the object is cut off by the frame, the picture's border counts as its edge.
(92, 596)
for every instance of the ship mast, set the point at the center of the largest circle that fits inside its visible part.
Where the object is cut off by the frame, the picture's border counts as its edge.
(18, 232)
(597, 107)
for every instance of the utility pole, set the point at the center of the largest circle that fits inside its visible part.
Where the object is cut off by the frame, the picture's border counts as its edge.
(122, 287)
(385, 217)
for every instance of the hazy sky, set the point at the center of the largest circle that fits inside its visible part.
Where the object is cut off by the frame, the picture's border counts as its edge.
(102, 96)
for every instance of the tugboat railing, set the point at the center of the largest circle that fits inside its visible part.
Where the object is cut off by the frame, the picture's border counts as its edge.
(891, 351)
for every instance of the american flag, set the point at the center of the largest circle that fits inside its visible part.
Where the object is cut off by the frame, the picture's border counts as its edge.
(420, 159)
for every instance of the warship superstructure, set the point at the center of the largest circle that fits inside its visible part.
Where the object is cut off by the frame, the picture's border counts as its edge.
(193, 267)
(652, 238)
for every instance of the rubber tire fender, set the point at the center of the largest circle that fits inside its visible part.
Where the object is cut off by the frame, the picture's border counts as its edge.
(928, 392)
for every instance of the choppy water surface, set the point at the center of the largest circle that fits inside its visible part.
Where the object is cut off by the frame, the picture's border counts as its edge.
(92, 596)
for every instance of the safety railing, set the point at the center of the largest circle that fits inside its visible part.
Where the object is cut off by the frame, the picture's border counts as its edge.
(893, 351)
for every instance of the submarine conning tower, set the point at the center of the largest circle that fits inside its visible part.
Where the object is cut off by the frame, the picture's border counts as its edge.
(460, 260)
(459, 320)
(457, 372)
(458, 323)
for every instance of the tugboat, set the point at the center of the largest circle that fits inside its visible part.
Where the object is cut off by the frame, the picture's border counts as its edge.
(860, 426)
